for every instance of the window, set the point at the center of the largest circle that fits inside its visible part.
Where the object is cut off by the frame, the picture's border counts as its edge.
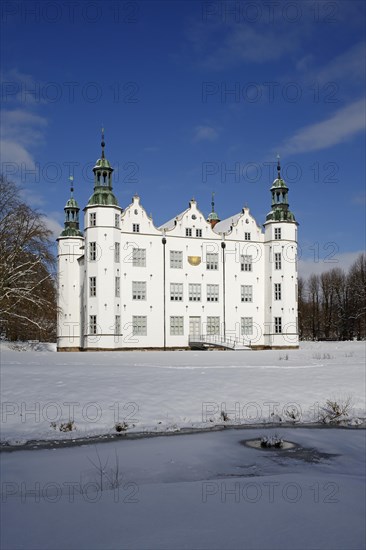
(139, 257)
(194, 292)
(277, 291)
(176, 292)
(198, 232)
(246, 263)
(277, 233)
(92, 324)
(136, 228)
(92, 219)
(212, 293)
(116, 252)
(117, 287)
(188, 232)
(92, 286)
(247, 236)
(139, 327)
(92, 251)
(212, 261)
(246, 293)
(116, 220)
(176, 259)
(246, 326)
(176, 326)
(138, 290)
(278, 325)
(117, 324)
(278, 262)
(213, 325)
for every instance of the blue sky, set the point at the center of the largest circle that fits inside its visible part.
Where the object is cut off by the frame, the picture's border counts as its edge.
(195, 97)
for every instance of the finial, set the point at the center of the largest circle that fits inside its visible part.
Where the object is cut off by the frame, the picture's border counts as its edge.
(278, 167)
(213, 202)
(103, 143)
(71, 179)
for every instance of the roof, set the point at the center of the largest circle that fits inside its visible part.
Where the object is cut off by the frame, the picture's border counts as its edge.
(103, 195)
(102, 163)
(71, 203)
(225, 225)
(71, 232)
(171, 223)
(279, 182)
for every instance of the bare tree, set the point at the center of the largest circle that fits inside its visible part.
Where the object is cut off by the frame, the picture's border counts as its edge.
(314, 291)
(27, 289)
(357, 286)
(333, 305)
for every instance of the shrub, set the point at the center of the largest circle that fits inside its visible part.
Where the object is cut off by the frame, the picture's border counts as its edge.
(272, 441)
(121, 426)
(293, 413)
(64, 426)
(335, 409)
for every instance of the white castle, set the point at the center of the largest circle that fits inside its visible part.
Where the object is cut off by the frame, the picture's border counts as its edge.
(193, 282)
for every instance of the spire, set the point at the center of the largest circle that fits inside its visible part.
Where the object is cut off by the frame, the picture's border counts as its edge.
(103, 194)
(103, 143)
(213, 218)
(71, 225)
(280, 207)
(278, 167)
(71, 179)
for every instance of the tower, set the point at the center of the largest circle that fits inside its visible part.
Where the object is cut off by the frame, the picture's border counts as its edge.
(213, 218)
(70, 251)
(102, 287)
(280, 240)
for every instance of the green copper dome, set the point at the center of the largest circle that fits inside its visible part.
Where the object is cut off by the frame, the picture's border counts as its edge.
(102, 163)
(71, 227)
(71, 232)
(71, 203)
(279, 182)
(103, 196)
(212, 216)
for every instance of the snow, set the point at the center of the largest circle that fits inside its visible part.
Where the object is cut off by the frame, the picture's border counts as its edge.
(169, 391)
(225, 226)
(196, 491)
(202, 491)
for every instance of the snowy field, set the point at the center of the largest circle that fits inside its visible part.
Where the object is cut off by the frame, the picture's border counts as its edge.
(91, 393)
(198, 491)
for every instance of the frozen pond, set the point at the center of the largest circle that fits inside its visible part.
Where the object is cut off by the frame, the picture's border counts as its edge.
(197, 491)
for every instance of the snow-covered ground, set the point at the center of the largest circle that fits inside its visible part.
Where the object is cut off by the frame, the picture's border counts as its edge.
(202, 491)
(197, 491)
(168, 391)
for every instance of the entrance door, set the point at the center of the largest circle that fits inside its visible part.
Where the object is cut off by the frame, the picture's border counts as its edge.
(194, 327)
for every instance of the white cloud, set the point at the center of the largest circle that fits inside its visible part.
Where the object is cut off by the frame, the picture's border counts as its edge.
(22, 130)
(359, 199)
(205, 133)
(219, 46)
(348, 65)
(21, 133)
(13, 153)
(344, 261)
(22, 126)
(32, 197)
(52, 221)
(340, 127)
